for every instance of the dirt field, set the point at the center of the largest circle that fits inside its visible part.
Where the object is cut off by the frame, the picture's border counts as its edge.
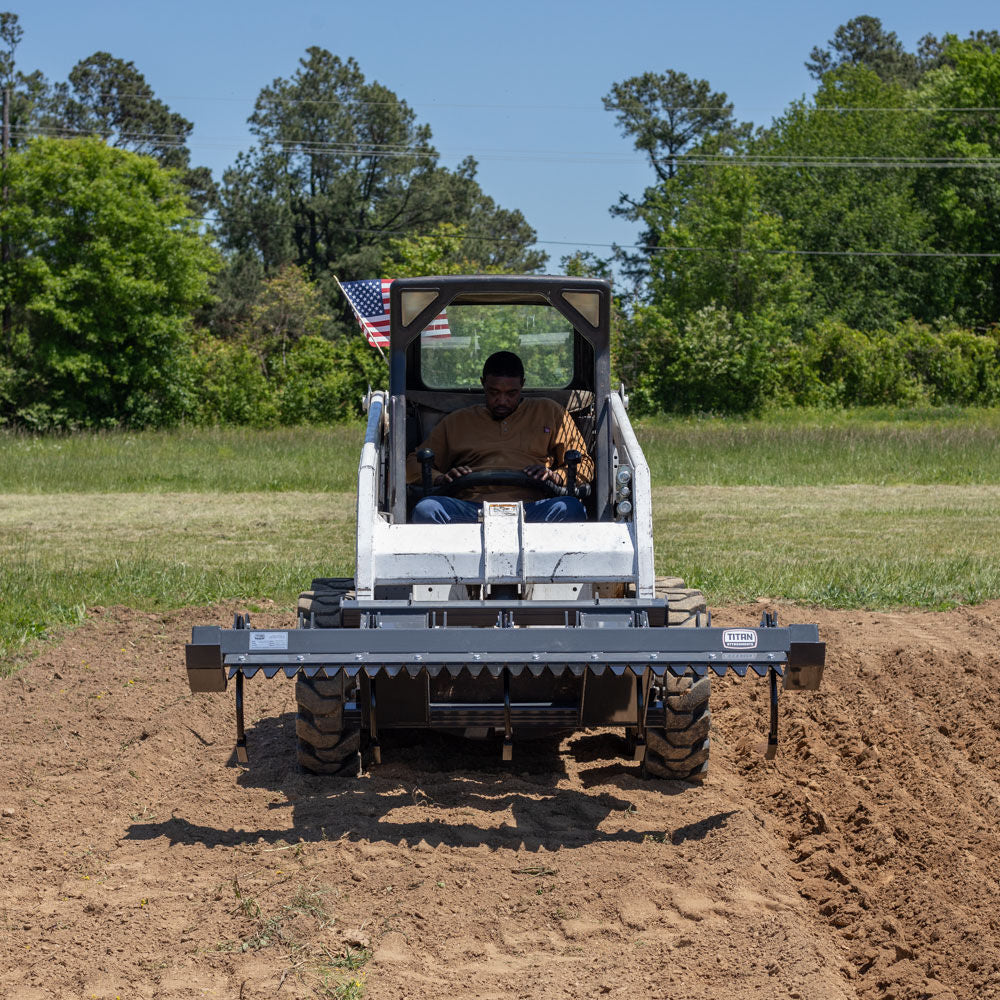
(136, 860)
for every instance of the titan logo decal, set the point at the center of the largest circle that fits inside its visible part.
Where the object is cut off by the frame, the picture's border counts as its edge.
(739, 638)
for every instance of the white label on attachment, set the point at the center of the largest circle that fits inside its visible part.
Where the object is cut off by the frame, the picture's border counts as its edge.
(269, 640)
(739, 638)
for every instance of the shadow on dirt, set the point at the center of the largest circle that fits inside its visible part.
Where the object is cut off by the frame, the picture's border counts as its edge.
(701, 829)
(427, 782)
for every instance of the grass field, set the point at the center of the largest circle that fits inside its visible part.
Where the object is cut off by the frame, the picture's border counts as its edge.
(879, 447)
(873, 509)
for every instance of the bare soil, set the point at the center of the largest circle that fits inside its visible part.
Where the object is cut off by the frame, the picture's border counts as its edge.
(138, 860)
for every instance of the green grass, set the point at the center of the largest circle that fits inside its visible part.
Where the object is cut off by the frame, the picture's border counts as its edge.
(863, 509)
(837, 546)
(63, 552)
(818, 448)
(225, 460)
(813, 448)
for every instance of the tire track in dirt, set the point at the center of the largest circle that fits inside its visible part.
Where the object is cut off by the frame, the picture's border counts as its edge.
(890, 795)
(137, 860)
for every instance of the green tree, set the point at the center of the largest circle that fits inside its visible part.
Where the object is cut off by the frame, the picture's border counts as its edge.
(725, 298)
(280, 361)
(964, 202)
(446, 249)
(933, 52)
(863, 41)
(836, 183)
(288, 307)
(322, 382)
(666, 115)
(723, 248)
(29, 93)
(236, 287)
(11, 34)
(586, 264)
(342, 167)
(109, 97)
(105, 271)
(229, 386)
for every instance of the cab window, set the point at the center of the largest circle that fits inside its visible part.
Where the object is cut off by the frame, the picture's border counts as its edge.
(452, 353)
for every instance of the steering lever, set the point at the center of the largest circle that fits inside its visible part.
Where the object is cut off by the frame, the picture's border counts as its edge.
(426, 459)
(572, 461)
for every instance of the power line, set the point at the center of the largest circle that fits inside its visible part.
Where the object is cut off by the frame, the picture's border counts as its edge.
(946, 254)
(859, 162)
(698, 160)
(651, 249)
(172, 140)
(671, 109)
(315, 147)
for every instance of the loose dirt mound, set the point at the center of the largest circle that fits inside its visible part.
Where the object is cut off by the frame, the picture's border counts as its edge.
(136, 860)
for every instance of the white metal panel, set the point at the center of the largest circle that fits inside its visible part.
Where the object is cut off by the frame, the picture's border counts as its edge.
(427, 553)
(559, 592)
(502, 547)
(642, 500)
(580, 552)
(369, 467)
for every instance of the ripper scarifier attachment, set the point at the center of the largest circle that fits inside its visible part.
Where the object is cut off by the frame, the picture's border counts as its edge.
(614, 676)
(503, 627)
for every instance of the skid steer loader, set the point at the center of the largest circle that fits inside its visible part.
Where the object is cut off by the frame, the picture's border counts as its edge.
(503, 628)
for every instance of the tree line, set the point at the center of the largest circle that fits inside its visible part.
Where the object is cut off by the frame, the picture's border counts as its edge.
(845, 254)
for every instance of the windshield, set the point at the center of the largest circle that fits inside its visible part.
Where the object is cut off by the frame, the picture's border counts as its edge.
(452, 352)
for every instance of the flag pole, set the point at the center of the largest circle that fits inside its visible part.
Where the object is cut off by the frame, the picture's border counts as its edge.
(373, 340)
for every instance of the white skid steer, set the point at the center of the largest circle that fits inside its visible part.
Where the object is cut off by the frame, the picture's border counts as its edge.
(503, 627)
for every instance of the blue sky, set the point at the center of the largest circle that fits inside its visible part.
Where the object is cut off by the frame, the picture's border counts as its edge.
(516, 84)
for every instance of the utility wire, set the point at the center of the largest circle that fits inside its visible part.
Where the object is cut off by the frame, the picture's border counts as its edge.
(697, 160)
(651, 249)
(310, 147)
(671, 109)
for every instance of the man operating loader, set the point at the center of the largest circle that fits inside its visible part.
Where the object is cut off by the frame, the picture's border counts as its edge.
(509, 432)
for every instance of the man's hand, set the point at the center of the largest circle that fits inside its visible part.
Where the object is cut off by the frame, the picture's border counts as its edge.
(543, 474)
(452, 474)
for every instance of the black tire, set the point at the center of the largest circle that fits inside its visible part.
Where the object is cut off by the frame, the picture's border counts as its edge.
(686, 606)
(325, 746)
(678, 743)
(320, 607)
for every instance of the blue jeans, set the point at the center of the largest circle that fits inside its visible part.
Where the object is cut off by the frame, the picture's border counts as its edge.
(449, 510)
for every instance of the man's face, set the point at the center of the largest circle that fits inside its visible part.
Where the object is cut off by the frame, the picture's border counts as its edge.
(502, 395)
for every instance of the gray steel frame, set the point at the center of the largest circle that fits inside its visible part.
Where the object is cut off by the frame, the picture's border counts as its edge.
(404, 644)
(415, 648)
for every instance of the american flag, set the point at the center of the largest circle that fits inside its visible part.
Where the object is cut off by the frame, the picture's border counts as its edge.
(370, 301)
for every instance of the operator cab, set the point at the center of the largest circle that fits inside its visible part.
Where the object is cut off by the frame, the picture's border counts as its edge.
(444, 328)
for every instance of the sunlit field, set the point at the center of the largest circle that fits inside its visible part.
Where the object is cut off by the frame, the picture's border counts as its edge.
(867, 509)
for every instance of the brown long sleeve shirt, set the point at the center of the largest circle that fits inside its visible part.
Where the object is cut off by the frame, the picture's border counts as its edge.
(538, 432)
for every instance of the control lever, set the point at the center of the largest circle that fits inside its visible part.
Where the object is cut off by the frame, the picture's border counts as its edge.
(426, 459)
(572, 461)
